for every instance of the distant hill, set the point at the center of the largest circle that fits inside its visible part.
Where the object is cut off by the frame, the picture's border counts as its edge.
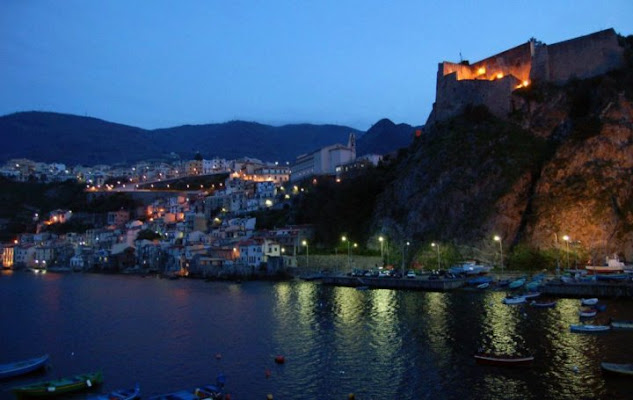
(71, 139)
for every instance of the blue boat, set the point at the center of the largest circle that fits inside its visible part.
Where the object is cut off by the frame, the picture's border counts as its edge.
(212, 392)
(479, 280)
(22, 367)
(517, 284)
(121, 394)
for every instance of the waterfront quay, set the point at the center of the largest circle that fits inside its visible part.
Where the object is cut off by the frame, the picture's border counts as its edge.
(552, 287)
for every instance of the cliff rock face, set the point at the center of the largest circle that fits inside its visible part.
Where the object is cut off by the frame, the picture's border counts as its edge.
(560, 164)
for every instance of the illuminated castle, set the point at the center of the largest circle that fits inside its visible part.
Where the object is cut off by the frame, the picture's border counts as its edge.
(491, 81)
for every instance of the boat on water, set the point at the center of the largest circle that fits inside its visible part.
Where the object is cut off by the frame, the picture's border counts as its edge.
(503, 360)
(60, 386)
(624, 369)
(531, 295)
(469, 268)
(613, 277)
(484, 285)
(210, 391)
(479, 280)
(613, 266)
(121, 394)
(22, 367)
(587, 313)
(589, 302)
(533, 285)
(621, 324)
(585, 328)
(517, 283)
(543, 304)
(514, 300)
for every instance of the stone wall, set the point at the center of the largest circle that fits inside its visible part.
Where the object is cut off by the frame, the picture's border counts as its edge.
(335, 263)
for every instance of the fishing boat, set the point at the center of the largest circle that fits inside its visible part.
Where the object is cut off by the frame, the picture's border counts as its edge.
(544, 304)
(484, 285)
(503, 360)
(621, 324)
(60, 386)
(589, 302)
(613, 277)
(517, 283)
(121, 394)
(589, 328)
(514, 300)
(624, 369)
(22, 367)
(614, 266)
(587, 313)
(533, 285)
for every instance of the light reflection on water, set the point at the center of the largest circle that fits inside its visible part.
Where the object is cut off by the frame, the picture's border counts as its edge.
(378, 344)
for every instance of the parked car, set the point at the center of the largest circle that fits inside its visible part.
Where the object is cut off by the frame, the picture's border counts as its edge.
(411, 274)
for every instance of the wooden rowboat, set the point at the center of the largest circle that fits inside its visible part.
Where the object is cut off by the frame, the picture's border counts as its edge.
(22, 367)
(60, 386)
(624, 369)
(503, 360)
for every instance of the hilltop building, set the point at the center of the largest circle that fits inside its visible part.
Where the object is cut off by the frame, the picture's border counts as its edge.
(323, 161)
(491, 81)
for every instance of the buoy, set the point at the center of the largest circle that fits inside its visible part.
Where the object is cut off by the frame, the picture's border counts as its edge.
(267, 372)
(218, 356)
(280, 359)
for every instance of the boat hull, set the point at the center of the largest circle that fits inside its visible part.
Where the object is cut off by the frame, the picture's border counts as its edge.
(22, 367)
(503, 361)
(623, 369)
(60, 386)
(589, 328)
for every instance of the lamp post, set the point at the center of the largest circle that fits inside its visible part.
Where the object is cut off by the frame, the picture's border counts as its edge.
(497, 238)
(566, 239)
(382, 253)
(405, 247)
(349, 254)
(305, 243)
(437, 246)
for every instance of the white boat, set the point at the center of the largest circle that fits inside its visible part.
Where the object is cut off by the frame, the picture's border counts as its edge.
(469, 268)
(589, 302)
(614, 266)
(589, 328)
(514, 300)
(587, 313)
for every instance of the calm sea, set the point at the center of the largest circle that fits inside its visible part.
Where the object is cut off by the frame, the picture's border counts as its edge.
(379, 344)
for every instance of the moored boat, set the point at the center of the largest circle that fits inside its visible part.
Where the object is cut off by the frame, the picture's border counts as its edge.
(514, 300)
(589, 302)
(585, 328)
(587, 313)
(484, 285)
(624, 369)
(531, 295)
(60, 386)
(22, 367)
(517, 283)
(469, 268)
(121, 394)
(503, 360)
(621, 324)
(543, 304)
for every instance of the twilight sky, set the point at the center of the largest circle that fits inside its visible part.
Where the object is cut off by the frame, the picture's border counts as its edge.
(156, 64)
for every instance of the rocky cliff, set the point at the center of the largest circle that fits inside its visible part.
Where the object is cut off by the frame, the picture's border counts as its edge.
(560, 164)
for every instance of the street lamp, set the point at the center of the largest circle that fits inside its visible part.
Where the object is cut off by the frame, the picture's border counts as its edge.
(349, 254)
(404, 254)
(305, 243)
(382, 253)
(437, 246)
(566, 239)
(497, 238)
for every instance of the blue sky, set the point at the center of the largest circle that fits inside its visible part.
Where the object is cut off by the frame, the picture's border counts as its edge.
(160, 63)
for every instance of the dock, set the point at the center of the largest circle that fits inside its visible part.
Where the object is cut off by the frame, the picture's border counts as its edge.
(432, 285)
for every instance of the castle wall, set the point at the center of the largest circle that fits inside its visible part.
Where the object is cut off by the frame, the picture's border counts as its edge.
(584, 57)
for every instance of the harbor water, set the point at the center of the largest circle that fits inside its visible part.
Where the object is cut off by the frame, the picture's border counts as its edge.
(378, 344)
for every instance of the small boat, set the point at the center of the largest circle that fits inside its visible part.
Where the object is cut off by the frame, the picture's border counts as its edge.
(532, 286)
(589, 328)
(625, 369)
(514, 300)
(503, 360)
(60, 386)
(479, 280)
(589, 302)
(121, 394)
(544, 304)
(484, 285)
(517, 283)
(587, 313)
(599, 307)
(212, 392)
(531, 295)
(621, 324)
(22, 367)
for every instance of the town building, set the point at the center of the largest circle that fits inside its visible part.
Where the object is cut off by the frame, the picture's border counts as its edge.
(323, 161)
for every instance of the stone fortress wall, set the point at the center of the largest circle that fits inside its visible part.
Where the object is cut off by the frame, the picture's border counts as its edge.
(491, 81)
